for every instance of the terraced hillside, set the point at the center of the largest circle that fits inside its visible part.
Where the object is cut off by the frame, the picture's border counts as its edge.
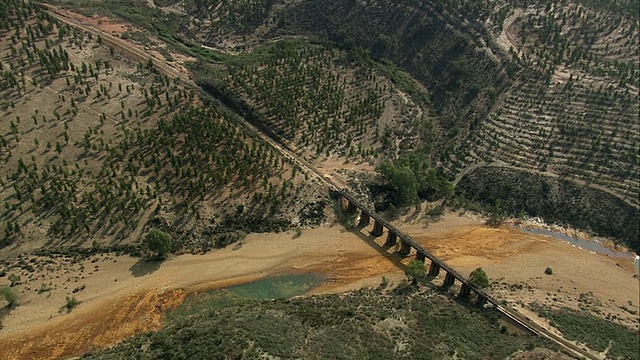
(573, 110)
(568, 126)
(95, 146)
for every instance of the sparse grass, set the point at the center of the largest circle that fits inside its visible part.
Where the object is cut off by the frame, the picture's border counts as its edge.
(44, 288)
(597, 333)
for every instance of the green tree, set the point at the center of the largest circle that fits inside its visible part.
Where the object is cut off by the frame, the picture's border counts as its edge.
(14, 279)
(158, 241)
(10, 296)
(403, 182)
(479, 278)
(497, 215)
(416, 271)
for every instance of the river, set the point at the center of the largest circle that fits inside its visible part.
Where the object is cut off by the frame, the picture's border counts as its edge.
(590, 245)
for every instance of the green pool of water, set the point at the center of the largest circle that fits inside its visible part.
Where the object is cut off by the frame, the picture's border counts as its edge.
(280, 287)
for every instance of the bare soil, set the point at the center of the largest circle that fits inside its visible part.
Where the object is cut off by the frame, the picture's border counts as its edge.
(123, 296)
(516, 261)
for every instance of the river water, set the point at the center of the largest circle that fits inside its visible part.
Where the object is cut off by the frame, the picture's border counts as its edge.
(280, 287)
(590, 245)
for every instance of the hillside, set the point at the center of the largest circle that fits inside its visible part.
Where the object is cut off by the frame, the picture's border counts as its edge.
(97, 147)
(365, 324)
(534, 90)
(518, 90)
(214, 120)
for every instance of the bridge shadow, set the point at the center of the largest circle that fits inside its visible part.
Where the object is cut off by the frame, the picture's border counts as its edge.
(450, 292)
(381, 249)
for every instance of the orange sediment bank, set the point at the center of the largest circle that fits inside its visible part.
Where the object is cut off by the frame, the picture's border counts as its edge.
(99, 326)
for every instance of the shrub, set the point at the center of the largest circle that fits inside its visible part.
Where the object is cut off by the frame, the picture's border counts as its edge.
(158, 241)
(416, 271)
(548, 271)
(479, 278)
(72, 302)
(15, 279)
(9, 295)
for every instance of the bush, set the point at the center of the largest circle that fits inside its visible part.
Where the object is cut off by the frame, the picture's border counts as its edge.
(15, 279)
(72, 302)
(158, 241)
(416, 271)
(548, 271)
(10, 296)
(479, 278)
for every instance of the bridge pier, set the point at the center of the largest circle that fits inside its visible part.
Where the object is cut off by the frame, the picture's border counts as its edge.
(351, 208)
(420, 256)
(481, 300)
(347, 206)
(364, 219)
(465, 291)
(405, 249)
(392, 239)
(377, 229)
(434, 269)
(448, 281)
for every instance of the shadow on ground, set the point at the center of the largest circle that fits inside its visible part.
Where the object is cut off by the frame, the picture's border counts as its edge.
(144, 267)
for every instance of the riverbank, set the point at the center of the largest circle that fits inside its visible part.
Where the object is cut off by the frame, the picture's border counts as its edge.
(122, 296)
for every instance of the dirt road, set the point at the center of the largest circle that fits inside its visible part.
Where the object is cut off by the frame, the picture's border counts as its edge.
(132, 51)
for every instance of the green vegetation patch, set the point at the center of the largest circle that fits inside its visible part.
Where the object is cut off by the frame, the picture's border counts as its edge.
(555, 200)
(597, 333)
(366, 324)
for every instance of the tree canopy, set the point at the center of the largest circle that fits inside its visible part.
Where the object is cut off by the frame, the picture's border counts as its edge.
(416, 270)
(403, 181)
(411, 177)
(158, 241)
(479, 278)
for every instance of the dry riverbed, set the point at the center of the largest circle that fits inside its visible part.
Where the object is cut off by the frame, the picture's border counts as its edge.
(120, 296)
